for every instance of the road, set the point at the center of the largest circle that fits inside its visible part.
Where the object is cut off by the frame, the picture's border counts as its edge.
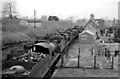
(86, 60)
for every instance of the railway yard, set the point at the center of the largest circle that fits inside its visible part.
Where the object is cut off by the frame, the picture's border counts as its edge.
(75, 60)
(74, 52)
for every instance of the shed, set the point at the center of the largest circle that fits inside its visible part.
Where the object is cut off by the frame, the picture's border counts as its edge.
(87, 37)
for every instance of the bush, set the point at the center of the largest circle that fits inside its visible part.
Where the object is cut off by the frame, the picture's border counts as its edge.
(14, 38)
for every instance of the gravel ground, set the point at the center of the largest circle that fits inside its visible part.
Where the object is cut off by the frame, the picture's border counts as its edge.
(86, 59)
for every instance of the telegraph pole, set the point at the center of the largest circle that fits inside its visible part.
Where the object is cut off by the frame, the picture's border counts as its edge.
(10, 10)
(34, 18)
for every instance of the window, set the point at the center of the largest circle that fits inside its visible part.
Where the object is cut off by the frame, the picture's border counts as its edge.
(84, 37)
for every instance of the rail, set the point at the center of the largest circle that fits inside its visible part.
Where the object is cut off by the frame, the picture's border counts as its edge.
(49, 72)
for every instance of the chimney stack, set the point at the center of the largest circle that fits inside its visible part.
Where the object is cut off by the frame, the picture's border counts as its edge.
(92, 16)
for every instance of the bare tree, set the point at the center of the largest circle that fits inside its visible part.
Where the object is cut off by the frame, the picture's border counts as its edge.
(9, 10)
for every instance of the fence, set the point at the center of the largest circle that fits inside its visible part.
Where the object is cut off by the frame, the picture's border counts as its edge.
(110, 46)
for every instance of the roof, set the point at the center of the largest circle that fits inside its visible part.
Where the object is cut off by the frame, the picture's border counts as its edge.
(51, 46)
(105, 38)
(98, 22)
(92, 21)
(45, 45)
(99, 40)
(91, 29)
(87, 32)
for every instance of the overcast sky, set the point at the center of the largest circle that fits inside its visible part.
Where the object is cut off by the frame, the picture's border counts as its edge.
(66, 8)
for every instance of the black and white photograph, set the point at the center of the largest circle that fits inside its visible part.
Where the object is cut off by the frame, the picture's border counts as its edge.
(59, 39)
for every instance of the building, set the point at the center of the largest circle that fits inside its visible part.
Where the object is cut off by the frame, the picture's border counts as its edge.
(87, 37)
(97, 24)
(92, 30)
(111, 30)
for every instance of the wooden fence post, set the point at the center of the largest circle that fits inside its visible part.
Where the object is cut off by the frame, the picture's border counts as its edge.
(94, 61)
(62, 61)
(79, 58)
(112, 62)
(92, 51)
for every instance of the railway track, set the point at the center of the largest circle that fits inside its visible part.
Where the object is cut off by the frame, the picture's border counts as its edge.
(46, 66)
(52, 68)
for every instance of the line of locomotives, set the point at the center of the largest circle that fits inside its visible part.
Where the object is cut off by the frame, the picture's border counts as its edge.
(39, 56)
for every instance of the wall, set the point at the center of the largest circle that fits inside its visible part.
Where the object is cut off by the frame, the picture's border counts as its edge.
(89, 40)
